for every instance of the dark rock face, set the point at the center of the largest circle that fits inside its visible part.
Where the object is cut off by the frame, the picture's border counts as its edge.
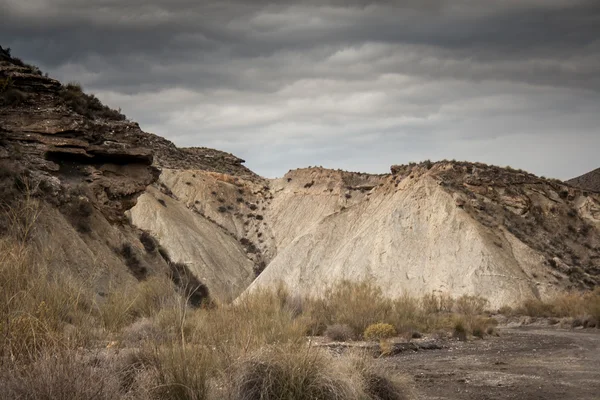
(61, 153)
(68, 143)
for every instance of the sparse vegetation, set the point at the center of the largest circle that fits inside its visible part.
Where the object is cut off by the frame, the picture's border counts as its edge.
(255, 347)
(87, 104)
(12, 97)
(79, 212)
(340, 333)
(583, 305)
(132, 261)
(148, 242)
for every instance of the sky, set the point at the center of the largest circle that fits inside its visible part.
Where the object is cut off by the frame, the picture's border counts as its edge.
(358, 85)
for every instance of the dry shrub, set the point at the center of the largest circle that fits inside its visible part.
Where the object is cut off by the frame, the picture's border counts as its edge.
(87, 104)
(340, 333)
(259, 319)
(430, 303)
(568, 305)
(460, 330)
(406, 314)
(135, 265)
(573, 304)
(294, 372)
(446, 303)
(61, 376)
(535, 308)
(506, 310)
(377, 383)
(356, 304)
(181, 372)
(470, 305)
(148, 242)
(146, 299)
(12, 97)
(379, 331)
(194, 291)
(593, 304)
(475, 325)
(36, 304)
(360, 304)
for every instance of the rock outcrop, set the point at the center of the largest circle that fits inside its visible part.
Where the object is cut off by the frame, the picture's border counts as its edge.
(88, 165)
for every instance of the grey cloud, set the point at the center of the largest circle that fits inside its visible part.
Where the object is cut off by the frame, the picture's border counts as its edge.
(366, 83)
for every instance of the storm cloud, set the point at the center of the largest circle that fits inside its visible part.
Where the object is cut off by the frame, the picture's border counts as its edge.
(358, 85)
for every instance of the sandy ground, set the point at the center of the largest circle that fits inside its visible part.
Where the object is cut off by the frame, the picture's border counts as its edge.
(522, 363)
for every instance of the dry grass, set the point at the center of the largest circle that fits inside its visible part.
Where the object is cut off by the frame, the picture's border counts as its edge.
(361, 304)
(293, 372)
(36, 303)
(181, 372)
(125, 304)
(64, 375)
(304, 372)
(357, 305)
(339, 333)
(256, 348)
(581, 305)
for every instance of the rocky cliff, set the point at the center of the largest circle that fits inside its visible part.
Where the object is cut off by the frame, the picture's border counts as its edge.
(88, 165)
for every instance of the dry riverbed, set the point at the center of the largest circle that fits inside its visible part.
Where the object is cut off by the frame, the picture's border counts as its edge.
(522, 363)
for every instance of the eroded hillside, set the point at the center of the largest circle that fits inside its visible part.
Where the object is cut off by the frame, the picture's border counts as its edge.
(133, 202)
(450, 227)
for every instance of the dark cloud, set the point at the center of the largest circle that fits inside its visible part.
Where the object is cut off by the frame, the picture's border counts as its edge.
(358, 84)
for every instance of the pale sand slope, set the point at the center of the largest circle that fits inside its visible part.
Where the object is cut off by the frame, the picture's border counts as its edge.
(415, 240)
(215, 257)
(456, 228)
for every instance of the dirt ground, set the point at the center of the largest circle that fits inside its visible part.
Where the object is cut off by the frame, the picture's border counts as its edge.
(522, 363)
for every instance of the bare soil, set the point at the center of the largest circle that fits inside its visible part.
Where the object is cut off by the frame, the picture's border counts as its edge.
(522, 363)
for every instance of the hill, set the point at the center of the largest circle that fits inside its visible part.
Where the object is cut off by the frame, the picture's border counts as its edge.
(448, 227)
(589, 181)
(127, 203)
